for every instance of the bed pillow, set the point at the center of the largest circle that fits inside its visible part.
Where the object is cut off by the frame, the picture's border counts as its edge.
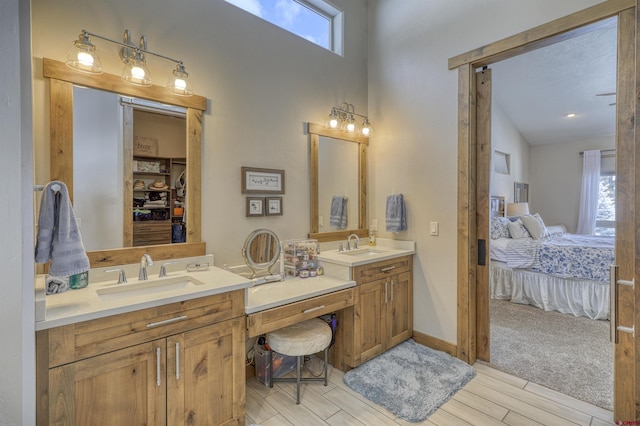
(499, 228)
(518, 230)
(535, 226)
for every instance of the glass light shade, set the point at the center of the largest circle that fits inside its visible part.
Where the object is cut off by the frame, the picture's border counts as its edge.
(82, 56)
(136, 71)
(334, 122)
(366, 128)
(179, 82)
(350, 125)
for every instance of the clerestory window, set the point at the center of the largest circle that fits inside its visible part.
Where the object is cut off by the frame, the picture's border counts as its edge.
(314, 20)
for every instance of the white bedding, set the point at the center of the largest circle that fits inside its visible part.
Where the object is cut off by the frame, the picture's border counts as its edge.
(567, 295)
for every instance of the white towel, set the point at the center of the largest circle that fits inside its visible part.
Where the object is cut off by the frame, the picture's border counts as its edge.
(59, 238)
(338, 216)
(396, 214)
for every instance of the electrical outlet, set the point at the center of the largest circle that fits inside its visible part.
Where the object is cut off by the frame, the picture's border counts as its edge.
(434, 228)
(321, 220)
(374, 224)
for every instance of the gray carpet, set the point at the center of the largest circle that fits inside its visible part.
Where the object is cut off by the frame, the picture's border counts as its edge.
(568, 354)
(410, 380)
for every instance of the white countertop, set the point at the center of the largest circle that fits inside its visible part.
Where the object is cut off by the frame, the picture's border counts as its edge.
(291, 290)
(86, 304)
(383, 250)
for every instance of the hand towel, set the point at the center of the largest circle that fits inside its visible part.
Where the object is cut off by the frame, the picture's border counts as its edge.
(57, 284)
(59, 238)
(396, 213)
(338, 216)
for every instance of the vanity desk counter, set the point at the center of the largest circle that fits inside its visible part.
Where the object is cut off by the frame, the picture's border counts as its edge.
(279, 304)
(365, 254)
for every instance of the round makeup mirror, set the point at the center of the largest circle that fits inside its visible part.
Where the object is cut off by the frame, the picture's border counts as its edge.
(261, 250)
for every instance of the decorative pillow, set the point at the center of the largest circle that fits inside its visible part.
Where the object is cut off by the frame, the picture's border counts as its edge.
(518, 230)
(535, 226)
(499, 228)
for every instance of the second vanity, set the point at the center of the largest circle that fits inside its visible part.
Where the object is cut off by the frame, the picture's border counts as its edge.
(177, 355)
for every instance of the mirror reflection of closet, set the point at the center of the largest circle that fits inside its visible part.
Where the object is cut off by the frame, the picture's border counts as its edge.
(110, 124)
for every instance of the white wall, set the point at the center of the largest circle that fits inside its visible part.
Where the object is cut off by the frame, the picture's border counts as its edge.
(17, 358)
(507, 139)
(556, 176)
(413, 107)
(261, 82)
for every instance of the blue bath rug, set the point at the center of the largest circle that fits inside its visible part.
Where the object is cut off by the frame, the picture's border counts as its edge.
(410, 380)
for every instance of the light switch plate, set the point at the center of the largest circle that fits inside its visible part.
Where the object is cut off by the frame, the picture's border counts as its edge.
(434, 228)
(321, 220)
(374, 224)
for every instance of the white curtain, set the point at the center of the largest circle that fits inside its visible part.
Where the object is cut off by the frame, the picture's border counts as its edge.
(589, 193)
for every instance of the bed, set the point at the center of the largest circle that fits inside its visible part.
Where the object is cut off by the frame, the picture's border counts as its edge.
(549, 268)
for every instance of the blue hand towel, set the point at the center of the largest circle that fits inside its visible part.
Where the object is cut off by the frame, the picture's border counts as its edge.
(338, 216)
(396, 213)
(59, 238)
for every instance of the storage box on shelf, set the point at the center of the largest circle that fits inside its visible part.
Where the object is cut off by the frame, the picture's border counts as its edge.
(300, 257)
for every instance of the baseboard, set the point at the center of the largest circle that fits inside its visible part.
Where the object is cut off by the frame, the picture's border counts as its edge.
(435, 343)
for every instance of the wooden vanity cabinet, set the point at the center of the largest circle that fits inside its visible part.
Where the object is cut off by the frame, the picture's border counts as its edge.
(383, 311)
(177, 364)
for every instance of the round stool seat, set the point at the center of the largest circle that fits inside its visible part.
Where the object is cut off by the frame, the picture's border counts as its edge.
(305, 338)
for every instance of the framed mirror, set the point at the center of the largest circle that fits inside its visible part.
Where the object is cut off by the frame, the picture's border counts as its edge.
(338, 172)
(261, 250)
(61, 102)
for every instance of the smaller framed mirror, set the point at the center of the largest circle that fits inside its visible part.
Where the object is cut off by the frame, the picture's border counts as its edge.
(322, 193)
(261, 251)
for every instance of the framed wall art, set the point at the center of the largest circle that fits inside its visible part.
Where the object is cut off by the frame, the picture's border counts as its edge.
(273, 206)
(520, 192)
(262, 181)
(255, 206)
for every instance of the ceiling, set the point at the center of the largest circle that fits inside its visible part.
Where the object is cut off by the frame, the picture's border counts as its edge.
(537, 90)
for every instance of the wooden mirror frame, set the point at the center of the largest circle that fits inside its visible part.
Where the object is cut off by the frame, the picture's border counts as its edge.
(61, 81)
(315, 131)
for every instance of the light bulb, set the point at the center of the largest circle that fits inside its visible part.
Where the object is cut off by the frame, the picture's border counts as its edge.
(333, 123)
(137, 72)
(180, 84)
(365, 131)
(351, 127)
(85, 59)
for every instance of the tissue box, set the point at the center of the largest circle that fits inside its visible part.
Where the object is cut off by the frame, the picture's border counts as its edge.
(282, 364)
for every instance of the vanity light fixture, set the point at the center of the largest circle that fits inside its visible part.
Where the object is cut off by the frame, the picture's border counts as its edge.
(344, 116)
(82, 57)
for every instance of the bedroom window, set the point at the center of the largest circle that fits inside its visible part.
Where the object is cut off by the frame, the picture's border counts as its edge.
(314, 20)
(606, 214)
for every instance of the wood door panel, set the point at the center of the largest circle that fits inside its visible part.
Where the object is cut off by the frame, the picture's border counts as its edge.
(400, 312)
(112, 389)
(207, 390)
(371, 316)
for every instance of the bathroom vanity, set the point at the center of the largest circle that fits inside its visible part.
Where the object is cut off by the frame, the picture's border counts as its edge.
(126, 354)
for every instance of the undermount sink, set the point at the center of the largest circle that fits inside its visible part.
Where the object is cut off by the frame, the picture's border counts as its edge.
(367, 251)
(148, 287)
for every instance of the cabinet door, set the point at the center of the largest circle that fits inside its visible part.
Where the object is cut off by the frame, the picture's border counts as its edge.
(205, 375)
(370, 320)
(399, 309)
(124, 387)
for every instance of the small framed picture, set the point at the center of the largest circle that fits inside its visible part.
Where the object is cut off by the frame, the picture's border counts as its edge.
(274, 206)
(255, 206)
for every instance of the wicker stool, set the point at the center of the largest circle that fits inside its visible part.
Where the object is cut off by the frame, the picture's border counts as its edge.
(305, 338)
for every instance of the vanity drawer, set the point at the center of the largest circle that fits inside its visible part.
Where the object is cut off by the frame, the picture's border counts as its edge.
(89, 338)
(375, 271)
(293, 313)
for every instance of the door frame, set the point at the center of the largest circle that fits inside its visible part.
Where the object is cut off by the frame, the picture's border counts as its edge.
(627, 367)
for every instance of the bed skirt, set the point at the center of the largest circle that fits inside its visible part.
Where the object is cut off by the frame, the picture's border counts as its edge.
(567, 295)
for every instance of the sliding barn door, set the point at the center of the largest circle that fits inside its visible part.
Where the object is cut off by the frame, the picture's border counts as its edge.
(483, 170)
(624, 294)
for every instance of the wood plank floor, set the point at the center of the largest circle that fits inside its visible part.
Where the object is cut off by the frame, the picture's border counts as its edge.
(491, 398)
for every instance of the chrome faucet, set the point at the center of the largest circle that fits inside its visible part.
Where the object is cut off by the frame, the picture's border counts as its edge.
(144, 262)
(355, 243)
